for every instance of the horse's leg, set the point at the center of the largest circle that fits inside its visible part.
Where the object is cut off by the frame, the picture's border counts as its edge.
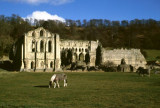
(58, 84)
(50, 84)
(54, 84)
(65, 83)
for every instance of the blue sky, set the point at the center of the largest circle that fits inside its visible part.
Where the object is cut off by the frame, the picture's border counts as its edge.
(84, 9)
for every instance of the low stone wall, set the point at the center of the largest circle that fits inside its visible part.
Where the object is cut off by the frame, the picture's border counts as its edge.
(132, 57)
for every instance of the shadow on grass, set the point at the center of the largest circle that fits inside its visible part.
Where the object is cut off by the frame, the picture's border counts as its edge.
(6, 65)
(41, 86)
(155, 84)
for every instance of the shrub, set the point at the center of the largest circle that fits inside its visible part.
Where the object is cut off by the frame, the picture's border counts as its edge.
(108, 66)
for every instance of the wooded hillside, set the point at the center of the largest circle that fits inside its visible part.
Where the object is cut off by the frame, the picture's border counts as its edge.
(143, 34)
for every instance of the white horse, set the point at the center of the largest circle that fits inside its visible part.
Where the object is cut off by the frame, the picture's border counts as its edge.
(56, 78)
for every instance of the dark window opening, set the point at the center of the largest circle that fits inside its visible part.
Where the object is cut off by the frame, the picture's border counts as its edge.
(49, 46)
(51, 65)
(41, 46)
(41, 33)
(33, 46)
(32, 65)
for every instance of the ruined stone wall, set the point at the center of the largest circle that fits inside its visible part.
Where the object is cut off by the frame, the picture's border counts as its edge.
(81, 47)
(41, 51)
(132, 57)
(77, 46)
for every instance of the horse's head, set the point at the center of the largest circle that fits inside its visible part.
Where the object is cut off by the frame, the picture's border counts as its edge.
(50, 84)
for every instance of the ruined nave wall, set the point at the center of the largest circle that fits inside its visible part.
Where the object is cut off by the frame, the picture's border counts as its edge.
(132, 57)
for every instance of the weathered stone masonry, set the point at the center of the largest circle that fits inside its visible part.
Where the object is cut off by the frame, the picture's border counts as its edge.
(40, 50)
(132, 57)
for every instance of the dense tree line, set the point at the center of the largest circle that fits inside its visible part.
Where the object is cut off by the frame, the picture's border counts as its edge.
(143, 34)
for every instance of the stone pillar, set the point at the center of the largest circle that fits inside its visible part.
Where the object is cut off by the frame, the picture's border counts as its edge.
(92, 59)
(22, 60)
(47, 46)
(38, 46)
(53, 48)
(57, 53)
(46, 64)
(26, 64)
(25, 46)
(36, 66)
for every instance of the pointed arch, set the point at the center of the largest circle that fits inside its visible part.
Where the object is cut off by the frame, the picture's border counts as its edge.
(41, 46)
(33, 45)
(33, 34)
(86, 50)
(82, 49)
(50, 46)
(41, 33)
(81, 57)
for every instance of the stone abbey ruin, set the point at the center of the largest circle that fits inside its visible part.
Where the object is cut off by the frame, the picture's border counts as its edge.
(40, 50)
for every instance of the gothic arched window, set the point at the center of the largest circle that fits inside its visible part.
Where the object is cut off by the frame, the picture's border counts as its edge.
(49, 46)
(51, 65)
(32, 65)
(33, 34)
(81, 57)
(41, 33)
(33, 46)
(41, 46)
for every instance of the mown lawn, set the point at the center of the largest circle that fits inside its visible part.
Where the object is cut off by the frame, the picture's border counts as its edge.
(152, 55)
(85, 90)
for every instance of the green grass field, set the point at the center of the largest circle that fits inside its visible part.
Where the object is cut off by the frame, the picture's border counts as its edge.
(85, 90)
(152, 55)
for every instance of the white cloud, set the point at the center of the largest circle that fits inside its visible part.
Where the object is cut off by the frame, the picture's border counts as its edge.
(35, 2)
(43, 15)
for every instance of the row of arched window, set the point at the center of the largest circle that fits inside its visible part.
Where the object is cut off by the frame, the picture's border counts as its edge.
(42, 46)
(41, 34)
(82, 57)
(32, 65)
(76, 49)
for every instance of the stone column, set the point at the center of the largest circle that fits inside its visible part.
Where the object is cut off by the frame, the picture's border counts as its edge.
(47, 46)
(57, 53)
(92, 59)
(38, 46)
(22, 60)
(53, 48)
(26, 64)
(25, 47)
